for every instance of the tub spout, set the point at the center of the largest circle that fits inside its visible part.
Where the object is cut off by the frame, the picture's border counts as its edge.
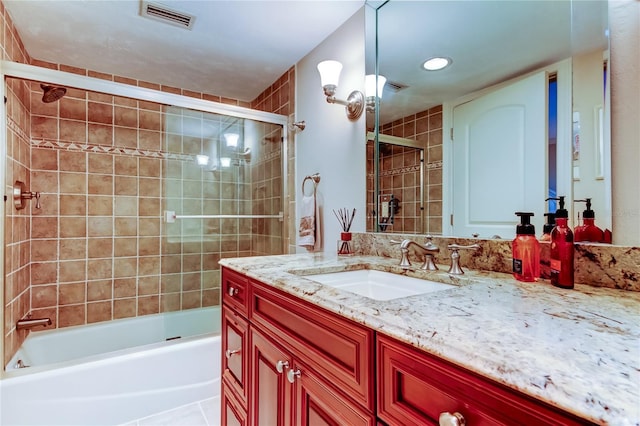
(29, 323)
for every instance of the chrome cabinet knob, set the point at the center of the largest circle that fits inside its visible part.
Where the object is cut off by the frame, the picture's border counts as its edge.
(230, 352)
(448, 419)
(291, 375)
(281, 365)
(232, 291)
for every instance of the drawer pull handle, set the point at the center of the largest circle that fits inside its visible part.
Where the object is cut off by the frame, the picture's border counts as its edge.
(229, 352)
(281, 365)
(232, 291)
(291, 375)
(448, 419)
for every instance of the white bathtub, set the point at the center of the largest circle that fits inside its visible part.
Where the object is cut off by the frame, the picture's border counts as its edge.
(81, 386)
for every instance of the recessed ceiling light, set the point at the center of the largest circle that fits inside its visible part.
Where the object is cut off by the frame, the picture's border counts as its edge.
(436, 63)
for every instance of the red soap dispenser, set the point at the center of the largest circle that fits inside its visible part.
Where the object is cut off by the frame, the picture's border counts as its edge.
(561, 251)
(526, 250)
(588, 231)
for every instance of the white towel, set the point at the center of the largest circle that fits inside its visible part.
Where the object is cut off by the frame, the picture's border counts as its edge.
(310, 235)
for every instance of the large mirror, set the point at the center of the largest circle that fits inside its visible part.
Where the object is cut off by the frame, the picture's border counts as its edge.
(482, 158)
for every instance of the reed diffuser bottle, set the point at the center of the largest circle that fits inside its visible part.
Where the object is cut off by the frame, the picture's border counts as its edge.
(345, 245)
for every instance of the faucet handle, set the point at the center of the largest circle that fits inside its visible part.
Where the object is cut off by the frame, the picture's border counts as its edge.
(429, 245)
(455, 268)
(395, 242)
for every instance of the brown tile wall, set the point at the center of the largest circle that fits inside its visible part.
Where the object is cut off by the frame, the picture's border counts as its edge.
(98, 249)
(426, 128)
(17, 293)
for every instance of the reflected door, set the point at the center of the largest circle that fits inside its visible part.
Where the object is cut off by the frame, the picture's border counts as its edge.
(499, 142)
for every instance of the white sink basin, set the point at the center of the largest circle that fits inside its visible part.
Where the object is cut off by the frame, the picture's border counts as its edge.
(378, 285)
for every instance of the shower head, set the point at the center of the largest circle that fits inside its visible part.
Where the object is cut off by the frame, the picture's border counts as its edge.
(52, 93)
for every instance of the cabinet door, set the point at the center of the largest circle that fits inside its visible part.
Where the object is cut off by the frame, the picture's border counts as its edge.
(235, 350)
(235, 289)
(232, 413)
(316, 404)
(271, 393)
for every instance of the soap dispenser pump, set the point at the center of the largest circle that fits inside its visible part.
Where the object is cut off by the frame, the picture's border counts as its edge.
(548, 226)
(561, 251)
(526, 250)
(588, 231)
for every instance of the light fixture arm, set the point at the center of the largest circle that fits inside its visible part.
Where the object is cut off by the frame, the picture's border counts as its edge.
(354, 105)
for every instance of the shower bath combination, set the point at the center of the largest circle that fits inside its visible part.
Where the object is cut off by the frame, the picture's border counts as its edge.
(52, 93)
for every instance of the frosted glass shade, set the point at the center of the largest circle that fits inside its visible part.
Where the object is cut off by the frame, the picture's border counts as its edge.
(202, 159)
(329, 72)
(231, 139)
(370, 85)
(225, 162)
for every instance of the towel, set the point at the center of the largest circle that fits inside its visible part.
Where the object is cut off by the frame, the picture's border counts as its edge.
(310, 235)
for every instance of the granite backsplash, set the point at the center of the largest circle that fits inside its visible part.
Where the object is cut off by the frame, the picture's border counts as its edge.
(599, 265)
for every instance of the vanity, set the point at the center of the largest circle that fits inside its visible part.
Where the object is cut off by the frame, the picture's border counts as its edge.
(483, 350)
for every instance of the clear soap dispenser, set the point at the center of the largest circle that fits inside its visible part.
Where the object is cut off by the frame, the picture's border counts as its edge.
(526, 250)
(588, 231)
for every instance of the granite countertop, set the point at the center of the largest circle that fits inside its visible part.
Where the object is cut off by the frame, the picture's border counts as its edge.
(576, 349)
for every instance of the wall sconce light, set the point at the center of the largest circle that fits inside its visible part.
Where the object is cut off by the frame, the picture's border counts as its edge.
(373, 88)
(225, 162)
(329, 77)
(296, 126)
(202, 159)
(231, 139)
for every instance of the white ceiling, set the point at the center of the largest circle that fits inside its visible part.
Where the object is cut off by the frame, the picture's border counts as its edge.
(236, 49)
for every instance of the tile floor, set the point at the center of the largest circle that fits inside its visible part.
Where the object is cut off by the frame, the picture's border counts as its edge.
(202, 413)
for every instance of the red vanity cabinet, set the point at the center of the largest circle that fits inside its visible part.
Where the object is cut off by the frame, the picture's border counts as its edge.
(299, 364)
(416, 388)
(304, 365)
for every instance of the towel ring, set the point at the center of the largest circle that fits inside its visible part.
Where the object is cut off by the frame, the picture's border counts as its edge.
(315, 178)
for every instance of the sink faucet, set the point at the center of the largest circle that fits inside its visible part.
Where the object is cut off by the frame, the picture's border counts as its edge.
(428, 250)
(455, 268)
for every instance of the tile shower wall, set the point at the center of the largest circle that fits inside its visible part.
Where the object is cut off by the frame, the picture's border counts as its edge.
(62, 270)
(398, 174)
(17, 292)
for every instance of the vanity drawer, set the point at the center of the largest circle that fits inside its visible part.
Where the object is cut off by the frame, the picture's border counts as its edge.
(338, 349)
(415, 388)
(235, 353)
(235, 288)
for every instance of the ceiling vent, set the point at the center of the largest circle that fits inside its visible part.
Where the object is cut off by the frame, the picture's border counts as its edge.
(162, 13)
(394, 86)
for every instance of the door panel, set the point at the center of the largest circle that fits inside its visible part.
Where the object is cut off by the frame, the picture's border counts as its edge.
(499, 141)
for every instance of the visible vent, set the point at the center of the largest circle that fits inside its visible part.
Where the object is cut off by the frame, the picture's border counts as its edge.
(164, 14)
(394, 86)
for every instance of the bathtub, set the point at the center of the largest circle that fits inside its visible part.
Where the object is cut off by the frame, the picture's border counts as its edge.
(114, 372)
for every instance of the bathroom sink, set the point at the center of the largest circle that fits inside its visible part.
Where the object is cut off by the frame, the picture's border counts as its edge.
(378, 285)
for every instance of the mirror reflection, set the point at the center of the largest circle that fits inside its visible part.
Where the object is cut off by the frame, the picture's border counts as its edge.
(552, 49)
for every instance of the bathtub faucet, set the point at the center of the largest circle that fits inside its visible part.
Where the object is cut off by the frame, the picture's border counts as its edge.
(29, 323)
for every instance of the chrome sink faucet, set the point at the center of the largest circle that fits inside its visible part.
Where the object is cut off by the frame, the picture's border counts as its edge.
(428, 250)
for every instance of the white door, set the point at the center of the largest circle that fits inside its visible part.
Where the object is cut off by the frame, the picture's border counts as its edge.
(499, 143)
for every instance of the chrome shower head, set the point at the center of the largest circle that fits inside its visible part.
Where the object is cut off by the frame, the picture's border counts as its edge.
(52, 93)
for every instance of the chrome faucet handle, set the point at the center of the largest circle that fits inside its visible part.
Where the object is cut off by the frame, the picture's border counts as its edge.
(455, 268)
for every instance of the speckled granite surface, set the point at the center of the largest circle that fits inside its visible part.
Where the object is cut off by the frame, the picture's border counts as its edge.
(576, 349)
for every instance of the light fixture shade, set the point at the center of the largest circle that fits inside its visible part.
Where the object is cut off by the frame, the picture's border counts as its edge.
(225, 162)
(329, 72)
(370, 85)
(231, 139)
(202, 159)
